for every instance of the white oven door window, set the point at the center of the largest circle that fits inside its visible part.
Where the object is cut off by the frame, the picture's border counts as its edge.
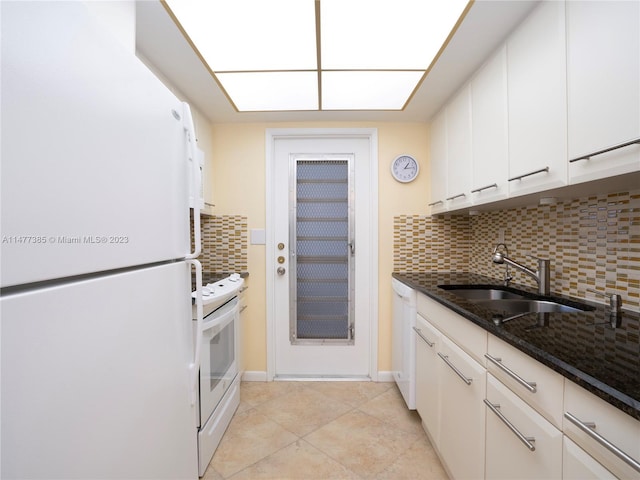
(218, 363)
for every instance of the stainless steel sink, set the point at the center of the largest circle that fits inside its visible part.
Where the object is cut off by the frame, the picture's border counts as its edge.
(511, 307)
(482, 293)
(509, 303)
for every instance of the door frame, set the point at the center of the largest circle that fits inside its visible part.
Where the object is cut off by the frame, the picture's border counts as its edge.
(273, 134)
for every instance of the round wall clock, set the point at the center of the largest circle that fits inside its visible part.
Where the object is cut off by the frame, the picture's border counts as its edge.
(404, 168)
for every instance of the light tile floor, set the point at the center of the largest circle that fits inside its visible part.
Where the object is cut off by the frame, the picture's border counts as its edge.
(324, 430)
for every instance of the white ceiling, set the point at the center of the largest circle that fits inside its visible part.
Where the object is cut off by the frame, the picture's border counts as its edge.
(162, 45)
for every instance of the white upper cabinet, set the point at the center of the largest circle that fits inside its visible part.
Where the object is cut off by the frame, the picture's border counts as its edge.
(603, 78)
(459, 150)
(536, 85)
(489, 131)
(557, 104)
(439, 163)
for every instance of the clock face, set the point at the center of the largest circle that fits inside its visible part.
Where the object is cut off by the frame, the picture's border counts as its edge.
(404, 168)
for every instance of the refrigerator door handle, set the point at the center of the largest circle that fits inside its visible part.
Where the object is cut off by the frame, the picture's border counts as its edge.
(194, 367)
(190, 130)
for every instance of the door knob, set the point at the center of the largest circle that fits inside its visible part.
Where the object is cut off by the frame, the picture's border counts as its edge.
(281, 270)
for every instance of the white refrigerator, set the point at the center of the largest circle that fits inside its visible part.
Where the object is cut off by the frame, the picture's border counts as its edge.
(97, 353)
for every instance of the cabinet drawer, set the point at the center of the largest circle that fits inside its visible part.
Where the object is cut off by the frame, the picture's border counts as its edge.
(621, 431)
(536, 384)
(507, 454)
(579, 465)
(471, 338)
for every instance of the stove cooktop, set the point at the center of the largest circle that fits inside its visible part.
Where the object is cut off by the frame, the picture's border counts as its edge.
(218, 292)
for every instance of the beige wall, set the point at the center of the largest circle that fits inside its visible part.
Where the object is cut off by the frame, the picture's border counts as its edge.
(239, 172)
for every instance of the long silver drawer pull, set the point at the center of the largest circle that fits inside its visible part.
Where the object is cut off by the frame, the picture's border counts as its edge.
(531, 386)
(419, 332)
(434, 203)
(457, 196)
(493, 185)
(453, 367)
(609, 149)
(527, 441)
(520, 177)
(588, 428)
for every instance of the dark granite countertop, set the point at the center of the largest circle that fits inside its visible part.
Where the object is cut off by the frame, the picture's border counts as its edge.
(599, 353)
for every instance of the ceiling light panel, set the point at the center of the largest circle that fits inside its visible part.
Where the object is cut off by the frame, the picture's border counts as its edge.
(271, 91)
(398, 34)
(372, 90)
(250, 35)
(373, 53)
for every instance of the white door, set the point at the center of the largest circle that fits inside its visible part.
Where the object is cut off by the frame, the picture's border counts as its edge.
(320, 270)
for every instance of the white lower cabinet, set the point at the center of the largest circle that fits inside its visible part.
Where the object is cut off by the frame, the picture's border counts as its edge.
(507, 423)
(462, 432)
(606, 433)
(579, 465)
(428, 377)
(471, 338)
(520, 443)
(536, 384)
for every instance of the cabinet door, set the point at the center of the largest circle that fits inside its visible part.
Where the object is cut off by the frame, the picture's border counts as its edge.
(489, 134)
(603, 78)
(427, 377)
(579, 465)
(507, 455)
(439, 163)
(462, 436)
(536, 68)
(459, 150)
(614, 431)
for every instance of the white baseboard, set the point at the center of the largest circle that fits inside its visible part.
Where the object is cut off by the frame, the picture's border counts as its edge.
(254, 376)
(261, 376)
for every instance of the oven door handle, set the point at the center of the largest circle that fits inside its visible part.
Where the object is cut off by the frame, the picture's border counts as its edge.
(194, 367)
(222, 320)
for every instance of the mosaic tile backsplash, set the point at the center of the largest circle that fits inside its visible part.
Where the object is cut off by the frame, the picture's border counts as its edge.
(593, 242)
(224, 243)
(431, 243)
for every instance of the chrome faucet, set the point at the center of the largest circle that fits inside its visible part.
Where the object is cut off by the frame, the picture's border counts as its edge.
(542, 275)
(507, 277)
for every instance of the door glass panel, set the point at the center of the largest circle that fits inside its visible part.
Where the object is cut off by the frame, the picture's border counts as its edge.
(321, 229)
